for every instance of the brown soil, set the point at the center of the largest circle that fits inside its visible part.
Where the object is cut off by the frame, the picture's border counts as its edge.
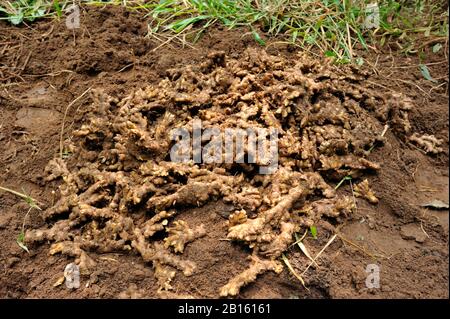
(46, 67)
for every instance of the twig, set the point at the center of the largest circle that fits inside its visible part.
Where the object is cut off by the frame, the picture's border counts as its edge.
(411, 83)
(299, 240)
(288, 264)
(304, 249)
(353, 194)
(125, 67)
(432, 41)
(416, 65)
(23, 196)
(421, 227)
(380, 85)
(64, 119)
(436, 87)
(350, 49)
(356, 246)
(386, 127)
(24, 219)
(320, 253)
(49, 74)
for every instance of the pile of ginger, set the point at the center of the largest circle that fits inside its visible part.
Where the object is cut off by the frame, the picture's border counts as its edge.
(119, 187)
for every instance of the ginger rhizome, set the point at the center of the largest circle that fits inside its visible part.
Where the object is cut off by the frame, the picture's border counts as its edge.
(120, 191)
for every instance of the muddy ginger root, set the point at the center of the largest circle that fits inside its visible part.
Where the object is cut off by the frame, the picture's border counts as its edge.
(56, 168)
(249, 230)
(311, 213)
(180, 234)
(429, 143)
(158, 252)
(306, 183)
(194, 193)
(86, 263)
(73, 249)
(164, 275)
(111, 237)
(157, 223)
(281, 241)
(348, 161)
(60, 231)
(163, 256)
(257, 267)
(132, 292)
(68, 248)
(166, 294)
(238, 217)
(363, 190)
(249, 198)
(121, 184)
(399, 105)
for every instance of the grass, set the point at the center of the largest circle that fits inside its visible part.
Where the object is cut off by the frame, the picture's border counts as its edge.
(292, 270)
(303, 248)
(313, 230)
(22, 11)
(345, 178)
(32, 204)
(334, 27)
(319, 254)
(29, 200)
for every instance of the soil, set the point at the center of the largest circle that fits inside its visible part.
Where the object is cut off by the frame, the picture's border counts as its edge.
(45, 67)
